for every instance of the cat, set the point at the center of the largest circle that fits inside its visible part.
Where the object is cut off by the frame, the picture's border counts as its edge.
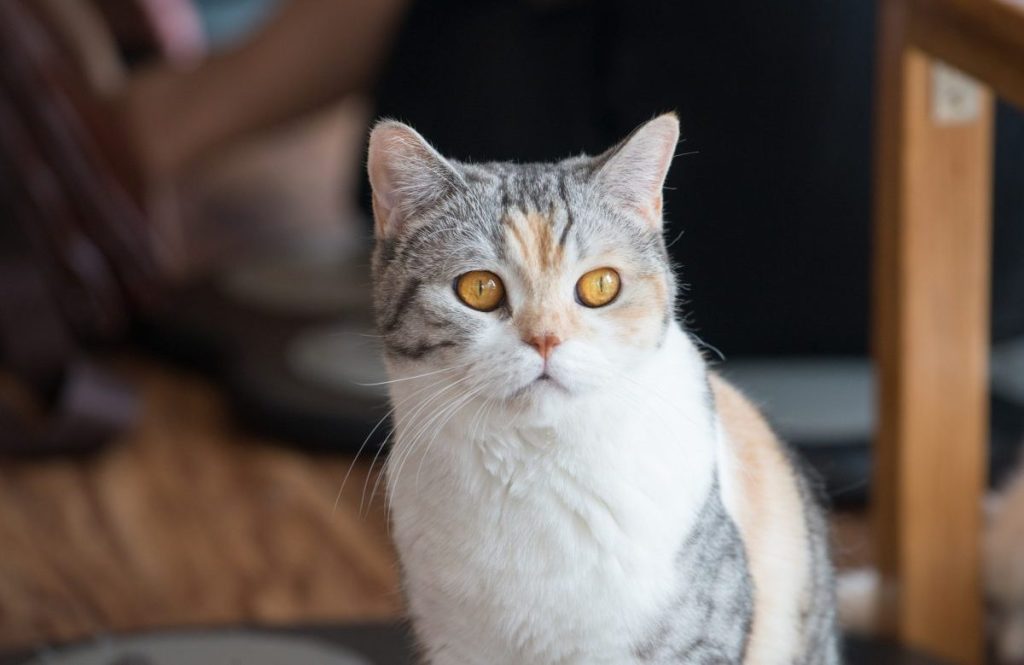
(1004, 569)
(569, 482)
(860, 590)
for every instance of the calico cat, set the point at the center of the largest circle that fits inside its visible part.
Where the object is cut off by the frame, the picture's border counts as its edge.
(569, 483)
(1004, 570)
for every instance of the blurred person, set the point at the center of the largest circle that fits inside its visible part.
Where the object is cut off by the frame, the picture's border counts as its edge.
(305, 57)
(311, 53)
(90, 152)
(150, 126)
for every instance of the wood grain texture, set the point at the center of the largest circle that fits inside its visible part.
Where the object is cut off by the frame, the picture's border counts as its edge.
(931, 286)
(187, 521)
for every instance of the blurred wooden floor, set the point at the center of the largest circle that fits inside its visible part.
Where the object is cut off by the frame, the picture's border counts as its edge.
(186, 520)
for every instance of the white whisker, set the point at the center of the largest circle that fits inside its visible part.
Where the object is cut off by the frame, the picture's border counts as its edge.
(411, 378)
(409, 417)
(362, 497)
(420, 429)
(362, 446)
(439, 428)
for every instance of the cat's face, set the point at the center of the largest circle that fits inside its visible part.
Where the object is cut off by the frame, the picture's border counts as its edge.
(532, 283)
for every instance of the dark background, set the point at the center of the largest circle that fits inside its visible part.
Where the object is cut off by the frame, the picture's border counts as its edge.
(770, 196)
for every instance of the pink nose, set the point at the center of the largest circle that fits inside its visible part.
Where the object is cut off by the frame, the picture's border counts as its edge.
(544, 344)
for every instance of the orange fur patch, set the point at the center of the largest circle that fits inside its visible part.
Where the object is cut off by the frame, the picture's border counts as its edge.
(534, 237)
(771, 519)
(541, 257)
(636, 319)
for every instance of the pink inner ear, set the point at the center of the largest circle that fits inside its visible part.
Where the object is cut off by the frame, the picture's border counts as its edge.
(382, 181)
(635, 174)
(380, 216)
(654, 213)
(406, 174)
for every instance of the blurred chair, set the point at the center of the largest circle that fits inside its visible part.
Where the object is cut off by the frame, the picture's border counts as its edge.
(931, 298)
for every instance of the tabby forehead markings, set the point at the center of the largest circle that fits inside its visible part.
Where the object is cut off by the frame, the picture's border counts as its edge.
(541, 253)
(533, 236)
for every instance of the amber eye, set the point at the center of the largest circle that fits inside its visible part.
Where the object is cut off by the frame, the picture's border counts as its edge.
(480, 289)
(598, 287)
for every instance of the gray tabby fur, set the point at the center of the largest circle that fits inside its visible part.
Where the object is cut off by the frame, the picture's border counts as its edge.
(710, 622)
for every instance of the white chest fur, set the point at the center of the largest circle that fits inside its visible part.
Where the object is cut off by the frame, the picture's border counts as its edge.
(525, 542)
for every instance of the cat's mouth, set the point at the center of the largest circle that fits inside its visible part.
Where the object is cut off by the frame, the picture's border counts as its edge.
(542, 381)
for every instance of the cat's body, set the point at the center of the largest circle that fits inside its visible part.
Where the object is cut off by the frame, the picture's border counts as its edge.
(569, 484)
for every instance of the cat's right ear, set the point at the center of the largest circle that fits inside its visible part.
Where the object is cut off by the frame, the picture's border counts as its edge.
(633, 172)
(407, 176)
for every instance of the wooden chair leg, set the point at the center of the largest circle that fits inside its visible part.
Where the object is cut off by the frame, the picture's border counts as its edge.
(931, 338)
(931, 331)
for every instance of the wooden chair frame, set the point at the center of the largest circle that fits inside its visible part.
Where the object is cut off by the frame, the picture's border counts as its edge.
(931, 307)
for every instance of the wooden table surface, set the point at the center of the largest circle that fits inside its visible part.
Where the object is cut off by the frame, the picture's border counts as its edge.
(187, 520)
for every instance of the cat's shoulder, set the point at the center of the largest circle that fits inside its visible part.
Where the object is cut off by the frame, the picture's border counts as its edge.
(764, 490)
(748, 430)
(759, 456)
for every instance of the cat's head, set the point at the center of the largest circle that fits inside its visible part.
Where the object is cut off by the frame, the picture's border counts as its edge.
(532, 282)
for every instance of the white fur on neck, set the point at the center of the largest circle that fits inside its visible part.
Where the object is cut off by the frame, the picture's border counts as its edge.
(552, 542)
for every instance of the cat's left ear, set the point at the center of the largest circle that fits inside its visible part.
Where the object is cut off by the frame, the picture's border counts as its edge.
(633, 172)
(407, 176)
